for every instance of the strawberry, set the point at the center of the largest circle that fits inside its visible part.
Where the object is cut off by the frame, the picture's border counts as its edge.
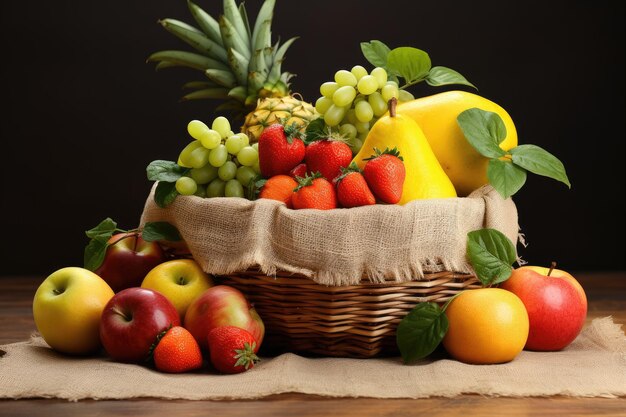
(352, 190)
(327, 157)
(299, 171)
(177, 351)
(314, 192)
(232, 349)
(385, 173)
(280, 149)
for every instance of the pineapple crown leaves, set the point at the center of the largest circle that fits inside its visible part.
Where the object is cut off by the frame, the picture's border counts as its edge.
(307, 180)
(377, 153)
(345, 171)
(246, 356)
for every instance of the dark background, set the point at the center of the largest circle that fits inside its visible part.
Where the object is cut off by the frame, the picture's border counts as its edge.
(84, 114)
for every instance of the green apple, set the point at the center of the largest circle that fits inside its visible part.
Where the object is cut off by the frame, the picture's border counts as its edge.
(180, 281)
(67, 309)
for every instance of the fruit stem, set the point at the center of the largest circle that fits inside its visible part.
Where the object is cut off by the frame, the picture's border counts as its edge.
(392, 106)
(552, 266)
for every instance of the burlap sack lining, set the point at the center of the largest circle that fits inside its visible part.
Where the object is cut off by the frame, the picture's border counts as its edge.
(336, 247)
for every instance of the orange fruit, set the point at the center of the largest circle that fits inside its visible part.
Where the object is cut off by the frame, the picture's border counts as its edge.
(279, 187)
(486, 326)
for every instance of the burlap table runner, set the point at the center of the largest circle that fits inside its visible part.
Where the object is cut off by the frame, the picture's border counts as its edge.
(335, 247)
(594, 365)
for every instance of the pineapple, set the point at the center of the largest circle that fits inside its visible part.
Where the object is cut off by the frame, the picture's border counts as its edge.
(241, 66)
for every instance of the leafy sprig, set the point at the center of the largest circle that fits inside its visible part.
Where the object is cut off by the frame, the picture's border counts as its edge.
(166, 173)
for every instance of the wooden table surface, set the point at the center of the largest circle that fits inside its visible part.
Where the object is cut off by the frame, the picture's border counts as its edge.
(606, 292)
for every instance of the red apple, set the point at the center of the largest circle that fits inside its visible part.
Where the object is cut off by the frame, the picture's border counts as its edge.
(128, 259)
(222, 306)
(131, 322)
(556, 305)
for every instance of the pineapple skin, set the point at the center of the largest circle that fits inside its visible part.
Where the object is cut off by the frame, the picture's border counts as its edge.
(288, 110)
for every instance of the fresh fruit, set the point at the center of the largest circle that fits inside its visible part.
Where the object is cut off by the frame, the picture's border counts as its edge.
(180, 281)
(314, 192)
(424, 176)
(385, 174)
(131, 322)
(279, 187)
(352, 189)
(177, 351)
(128, 259)
(556, 305)
(67, 308)
(327, 157)
(222, 306)
(242, 65)
(436, 115)
(299, 171)
(232, 349)
(280, 149)
(486, 326)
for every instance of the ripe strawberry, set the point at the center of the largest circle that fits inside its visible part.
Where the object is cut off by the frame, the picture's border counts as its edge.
(177, 351)
(314, 192)
(232, 349)
(385, 173)
(352, 190)
(280, 149)
(279, 187)
(299, 171)
(327, 157)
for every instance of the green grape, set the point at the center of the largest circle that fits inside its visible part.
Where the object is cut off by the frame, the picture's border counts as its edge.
(222, 126)
(362, 127)
(358, 71)
(322, 104)
(234, 144)
(200, 192)
(186, 186)
(359, 97)
(379, 106)
(197, 129)
(215, 188)
(389, 91)
(210, 139)
(204, 175)
(392, 82)
(218, 156)
(227, 171)
(404, 95)
(343, 77)
(350, 117)
(334, 115)
(248, 156)
(348, 130)
(367, 85)
(328, 89)
(362, 136)
(344, 96)
(363, 111)
(230, 133)
(233, 189)
(183, 157)
(245, 175)
(244, 138)
(381, 76)
(199, 157)
(355, 145)
(255, 145)
(257, 167)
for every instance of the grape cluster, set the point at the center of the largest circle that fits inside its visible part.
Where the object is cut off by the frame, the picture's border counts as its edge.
(355, 100)
(222, 163)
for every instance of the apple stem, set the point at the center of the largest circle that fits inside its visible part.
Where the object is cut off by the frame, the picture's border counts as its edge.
(552, 266)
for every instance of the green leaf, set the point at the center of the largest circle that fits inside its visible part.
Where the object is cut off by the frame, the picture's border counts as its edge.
(484, 130)
(165, 193)
(421, 331)
(412, 64)
(540, 162)
(165, 171)
(445, 76)
(506, 177)
(153, 231)
(375, 52)
(491, 254)
(315, 131)
(94, 254)
(103, 231)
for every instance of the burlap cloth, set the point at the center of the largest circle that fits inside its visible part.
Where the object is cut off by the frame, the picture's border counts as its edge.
(335, 247)
(594, 365)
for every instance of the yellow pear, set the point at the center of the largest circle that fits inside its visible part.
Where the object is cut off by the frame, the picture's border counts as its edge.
(436, 115)
(424, 176)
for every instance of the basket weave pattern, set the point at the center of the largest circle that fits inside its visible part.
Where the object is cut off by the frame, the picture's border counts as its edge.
(344, 321)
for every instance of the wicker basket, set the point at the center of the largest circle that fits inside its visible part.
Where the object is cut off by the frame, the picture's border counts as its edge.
(347, 321)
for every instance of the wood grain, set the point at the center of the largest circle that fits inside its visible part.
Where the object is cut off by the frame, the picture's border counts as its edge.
(606, 292)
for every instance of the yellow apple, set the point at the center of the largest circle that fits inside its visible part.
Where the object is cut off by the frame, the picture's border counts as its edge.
(180, 281)
(67, 309)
